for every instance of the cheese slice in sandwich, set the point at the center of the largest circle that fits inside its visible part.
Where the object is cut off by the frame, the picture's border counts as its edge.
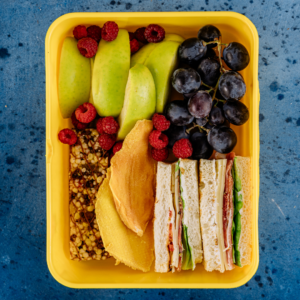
(177, 237)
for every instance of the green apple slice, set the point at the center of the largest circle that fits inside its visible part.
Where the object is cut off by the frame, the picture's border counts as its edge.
(142, 54)
(162, 62)
(140, 99)
(110, 74)
(74, 78)
(92, 60)
(174, 37)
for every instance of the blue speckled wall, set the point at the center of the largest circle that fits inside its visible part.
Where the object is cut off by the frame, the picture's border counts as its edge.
(23, 269)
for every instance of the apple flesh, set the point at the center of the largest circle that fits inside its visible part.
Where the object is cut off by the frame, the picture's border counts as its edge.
(92, 60)
(110, 74)
(140, 99)
(161, 62)
(74, 78)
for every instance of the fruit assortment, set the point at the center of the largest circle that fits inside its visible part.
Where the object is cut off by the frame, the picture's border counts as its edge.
(124, 77)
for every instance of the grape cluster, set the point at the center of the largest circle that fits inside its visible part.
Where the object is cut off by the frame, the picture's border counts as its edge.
(211, 93)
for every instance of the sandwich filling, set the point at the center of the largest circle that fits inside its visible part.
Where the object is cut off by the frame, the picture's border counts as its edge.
(179, 205)
(228, 213)
(187, 259)
(175, 224)
(238, 210)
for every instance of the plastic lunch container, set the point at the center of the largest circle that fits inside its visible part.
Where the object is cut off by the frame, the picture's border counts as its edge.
(104, 274)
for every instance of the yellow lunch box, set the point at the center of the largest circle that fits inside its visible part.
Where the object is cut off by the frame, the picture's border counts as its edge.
(104, 274)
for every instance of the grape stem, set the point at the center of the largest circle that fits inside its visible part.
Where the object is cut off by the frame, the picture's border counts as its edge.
(196, 126)
(220, 50)
(215, 90)
(220, 100)
(207, 85)
(213, 42)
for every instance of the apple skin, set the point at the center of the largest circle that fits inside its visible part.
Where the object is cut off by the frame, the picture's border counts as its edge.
(140, 99)
(74, 78)
(110, 74)
(161, 62)
(141, 56)
(173, 37)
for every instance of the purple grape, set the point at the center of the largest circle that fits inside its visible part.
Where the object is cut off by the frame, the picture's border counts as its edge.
(191, 51)
(178, 114)
(236, 56)
(236, 112)
(186, 81)
(222, 139)
(201, 147)
(200, 104)
(232, 85)
(201, 121)
(209, 33)
(209, 70)
(216, 116)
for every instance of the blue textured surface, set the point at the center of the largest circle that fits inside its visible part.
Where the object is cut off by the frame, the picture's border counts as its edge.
(23, 269)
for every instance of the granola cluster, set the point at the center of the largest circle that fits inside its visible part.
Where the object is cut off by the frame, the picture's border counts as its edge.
(88, 164)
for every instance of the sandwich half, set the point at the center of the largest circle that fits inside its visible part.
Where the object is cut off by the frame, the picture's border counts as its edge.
(189, 194)
(242, 216)
(177, 238)
(221, 212)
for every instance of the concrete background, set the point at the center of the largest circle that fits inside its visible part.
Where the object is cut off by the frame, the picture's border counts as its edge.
(23, 269)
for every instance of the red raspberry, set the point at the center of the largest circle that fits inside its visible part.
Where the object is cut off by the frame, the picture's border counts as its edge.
(183, 148)
(85, 113)
(160, 154)
(134, 46)
(117, 147)
(110, 125)
(87, 47)
(154, 33)
(94, 32)
(140, 35)
(110, 31)
(76, 123)
(99, 126)
(131, 36)
(67, 136)
(158, 140)
(106, 141)
(160, 122)
(80, 32)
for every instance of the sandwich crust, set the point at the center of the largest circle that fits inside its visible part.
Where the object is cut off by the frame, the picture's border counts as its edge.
(133, 178)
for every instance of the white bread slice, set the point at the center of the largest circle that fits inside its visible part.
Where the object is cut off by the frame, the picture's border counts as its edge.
(191, 211)
(209, 214)
(163, 203)
(245, 244)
